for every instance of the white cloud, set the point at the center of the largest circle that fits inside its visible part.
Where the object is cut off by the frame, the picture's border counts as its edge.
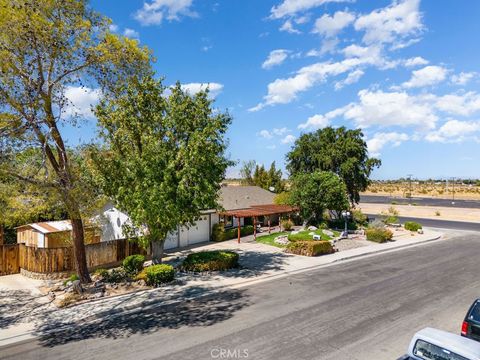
(289, 139)
(415, 61)
(193, 88)
(288, 27)
(280, 131)
(463, 78)
(351, 78)
(155, 11)
(464, 104)
(454, 131)
(292, 7)
(427, 76)
(391, 109)
(276, 57)
(379, 140)
(315, 122)
(401, 19)
(80, 101)
(329, 26)
(131, 33)
(113, 28)
(265, 134)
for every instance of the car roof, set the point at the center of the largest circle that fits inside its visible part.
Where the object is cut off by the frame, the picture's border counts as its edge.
(460, 345)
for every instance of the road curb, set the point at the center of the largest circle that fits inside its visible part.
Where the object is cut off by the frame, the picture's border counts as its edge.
(132, 309)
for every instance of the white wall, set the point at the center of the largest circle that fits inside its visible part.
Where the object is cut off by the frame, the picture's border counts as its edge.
(111, 221)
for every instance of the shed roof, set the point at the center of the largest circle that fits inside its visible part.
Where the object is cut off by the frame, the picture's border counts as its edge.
(244, 197)
(50, 226)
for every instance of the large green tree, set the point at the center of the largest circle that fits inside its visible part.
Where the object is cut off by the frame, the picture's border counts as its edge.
(164, 156)
(316, 192)
(47, 47)
(339, 150)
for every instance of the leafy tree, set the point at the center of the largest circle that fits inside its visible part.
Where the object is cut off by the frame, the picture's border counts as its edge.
(47, 46)
(316, 192)
(255, 174)
(165, 157)
(339, 150)
(282, 198)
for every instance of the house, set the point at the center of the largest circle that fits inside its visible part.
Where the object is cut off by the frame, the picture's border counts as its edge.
(109, 223)
(53, 234)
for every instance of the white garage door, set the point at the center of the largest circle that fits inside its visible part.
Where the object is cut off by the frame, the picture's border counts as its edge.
(171, 241)
(199, 232)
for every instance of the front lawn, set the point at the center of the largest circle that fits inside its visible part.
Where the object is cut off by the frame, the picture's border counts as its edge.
(302, 235)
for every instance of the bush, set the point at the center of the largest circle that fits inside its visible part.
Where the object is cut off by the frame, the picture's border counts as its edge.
(159, 274)
(133, 264)
(379, 235)
(71, 278)
(220, 234)
(115, 276)
(287, 225)
(210, 261)
(359, 218)
(101, 272)
(412, 226)
(310, 248)
(340, 224)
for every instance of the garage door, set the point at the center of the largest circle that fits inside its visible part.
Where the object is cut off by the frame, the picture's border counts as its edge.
(199, 232)
(171, 241)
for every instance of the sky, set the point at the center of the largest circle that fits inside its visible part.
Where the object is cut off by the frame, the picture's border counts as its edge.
(404, 71)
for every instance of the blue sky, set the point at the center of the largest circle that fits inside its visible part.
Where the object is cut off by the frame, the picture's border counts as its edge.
(404, 71)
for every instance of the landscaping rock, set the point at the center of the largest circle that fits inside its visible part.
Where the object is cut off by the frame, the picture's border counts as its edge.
(99, 295)
(295, 232)
(311, 233)
(77, 287)
(328, 232)
(141, 283)
(312, 228)
(281, 240)
(51, 296)
(420, 231)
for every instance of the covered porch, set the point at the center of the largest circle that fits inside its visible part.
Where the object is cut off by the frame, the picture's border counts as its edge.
(256, 211)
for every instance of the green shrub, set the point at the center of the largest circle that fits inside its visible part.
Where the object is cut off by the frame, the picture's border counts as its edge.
(310, 248)
(159, 274)
(71, 278)
(216, 260)
(287, 225)
(115, 276)
(412, 226)
(359, 218)
(133, 264)
(101, 272)
(340, 224)
(219, 233)
(379, 235)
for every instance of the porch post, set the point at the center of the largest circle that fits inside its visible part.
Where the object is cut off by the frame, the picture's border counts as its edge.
(269, 224)
(280, 222)
(254, 228)
(238, 219)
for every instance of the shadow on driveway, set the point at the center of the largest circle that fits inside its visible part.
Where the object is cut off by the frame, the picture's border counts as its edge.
(203, 311)
(17, 306)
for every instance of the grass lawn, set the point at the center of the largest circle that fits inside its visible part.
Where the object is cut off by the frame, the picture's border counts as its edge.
(302, 235)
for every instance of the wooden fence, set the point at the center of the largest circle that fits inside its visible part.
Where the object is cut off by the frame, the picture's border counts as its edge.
(54, 260)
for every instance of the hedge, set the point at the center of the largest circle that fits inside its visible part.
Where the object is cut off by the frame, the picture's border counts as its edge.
(379, 235)
(220, 234)
(156, 275)
(133, 264)
(216, 260)
(412, 226)
(310, 248)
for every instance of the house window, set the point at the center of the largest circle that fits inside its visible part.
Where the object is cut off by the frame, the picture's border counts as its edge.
(228, 221)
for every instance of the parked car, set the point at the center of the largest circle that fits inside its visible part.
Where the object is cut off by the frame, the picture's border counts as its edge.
(429, 344)
(471, 324)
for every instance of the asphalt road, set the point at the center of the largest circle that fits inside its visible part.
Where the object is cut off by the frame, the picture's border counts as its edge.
(437, 223)
(363, 309)
(475, 204)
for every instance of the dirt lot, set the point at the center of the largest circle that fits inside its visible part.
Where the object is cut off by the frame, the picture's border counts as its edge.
(426, 212)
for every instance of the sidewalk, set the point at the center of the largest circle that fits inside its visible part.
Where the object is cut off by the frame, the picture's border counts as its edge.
(33, 317)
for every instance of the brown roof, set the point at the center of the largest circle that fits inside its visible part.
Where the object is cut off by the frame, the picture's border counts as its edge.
(243, 197)
(261, 210)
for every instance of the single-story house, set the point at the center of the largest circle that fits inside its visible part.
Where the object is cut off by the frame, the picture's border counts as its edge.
(110, 221)
(53, 234)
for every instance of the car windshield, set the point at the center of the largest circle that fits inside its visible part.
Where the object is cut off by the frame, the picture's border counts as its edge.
(475, 312)
(427, 351)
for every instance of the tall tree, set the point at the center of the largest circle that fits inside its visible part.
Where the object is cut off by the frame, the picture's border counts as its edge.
(256, 174)
(47, 46)
(246, 172)
(316, 192)
(339, 150)
(164, 159)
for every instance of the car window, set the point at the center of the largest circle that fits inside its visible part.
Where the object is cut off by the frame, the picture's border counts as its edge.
(427, 351)
(475, 313)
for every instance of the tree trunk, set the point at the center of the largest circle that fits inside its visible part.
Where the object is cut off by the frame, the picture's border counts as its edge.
(157, 251)
(2, 235)
(79, 250)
